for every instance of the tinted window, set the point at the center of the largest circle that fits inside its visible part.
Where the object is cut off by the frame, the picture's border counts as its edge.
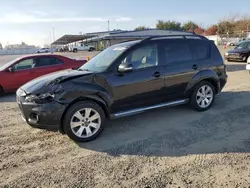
(248, 45)
(242, 45)
(142, 57)
(47, 61)
(25, 64)
(177, 52)
(200, 51)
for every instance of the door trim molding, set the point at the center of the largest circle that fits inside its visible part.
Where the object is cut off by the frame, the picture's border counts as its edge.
(140, 110)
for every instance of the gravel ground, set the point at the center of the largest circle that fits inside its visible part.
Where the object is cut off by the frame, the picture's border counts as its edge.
(169, 147)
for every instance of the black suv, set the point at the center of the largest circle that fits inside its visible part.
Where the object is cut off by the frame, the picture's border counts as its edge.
(125, 79)
(240, 53)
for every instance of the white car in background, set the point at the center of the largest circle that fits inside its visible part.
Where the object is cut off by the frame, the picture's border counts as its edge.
(43, 50)
(248, 64)
(81, 47)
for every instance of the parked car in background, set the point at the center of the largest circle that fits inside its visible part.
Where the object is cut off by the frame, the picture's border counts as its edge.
(43, 50)
(248, 64)
(81, 47)
(21, 70)
(125, 79)
(231, 43)
(240, 53)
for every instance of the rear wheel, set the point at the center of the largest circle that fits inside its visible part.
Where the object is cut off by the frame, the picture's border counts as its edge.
(203, 96)
(84, 121)
(75, 50)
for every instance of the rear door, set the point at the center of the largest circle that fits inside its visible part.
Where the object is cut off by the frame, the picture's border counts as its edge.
(182, 61)
(45, 65)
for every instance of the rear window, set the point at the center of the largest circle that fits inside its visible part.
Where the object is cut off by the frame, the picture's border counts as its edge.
(177, 52)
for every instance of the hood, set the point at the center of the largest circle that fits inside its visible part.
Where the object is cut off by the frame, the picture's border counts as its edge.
(45, 82)
(238, 51)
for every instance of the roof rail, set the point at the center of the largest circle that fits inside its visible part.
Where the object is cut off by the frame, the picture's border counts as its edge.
(185, 36)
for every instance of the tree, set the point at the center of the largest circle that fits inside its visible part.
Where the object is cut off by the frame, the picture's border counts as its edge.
(190, 26)
(140, 28)
(199, 31)
(1, 46)
(211, 30)
(170, 25)
(225, 27)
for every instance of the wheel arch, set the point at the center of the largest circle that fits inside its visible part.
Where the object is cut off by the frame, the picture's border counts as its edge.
(93, 99)
(205, 75)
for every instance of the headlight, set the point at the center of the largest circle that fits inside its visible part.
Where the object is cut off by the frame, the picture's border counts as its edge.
(44, 97)
(226, 54)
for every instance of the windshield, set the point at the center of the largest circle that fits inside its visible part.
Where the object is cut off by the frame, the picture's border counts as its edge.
(103, 60)
(8, 64)
(242, 45)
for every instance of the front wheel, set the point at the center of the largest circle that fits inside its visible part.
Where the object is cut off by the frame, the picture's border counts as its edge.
(75, 50)
(84, 121)
(203, 96)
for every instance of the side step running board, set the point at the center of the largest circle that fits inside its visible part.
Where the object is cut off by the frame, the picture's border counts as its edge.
(140, 110)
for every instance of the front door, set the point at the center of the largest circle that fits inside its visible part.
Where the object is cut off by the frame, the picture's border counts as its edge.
(143, 85)
(21, 73)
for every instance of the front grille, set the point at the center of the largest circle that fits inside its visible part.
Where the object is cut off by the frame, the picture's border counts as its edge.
(234, 55)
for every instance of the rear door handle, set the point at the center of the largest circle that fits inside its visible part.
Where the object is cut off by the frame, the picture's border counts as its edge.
(194, 67)
(157, 74)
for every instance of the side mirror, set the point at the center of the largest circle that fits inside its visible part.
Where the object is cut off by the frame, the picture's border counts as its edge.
(124, 67)
(11, 69)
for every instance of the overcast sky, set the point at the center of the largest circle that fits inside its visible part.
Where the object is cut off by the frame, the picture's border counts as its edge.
(32, 21)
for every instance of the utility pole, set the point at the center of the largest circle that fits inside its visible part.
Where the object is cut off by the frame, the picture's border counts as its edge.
(108, 25)
(53, 30)
(247, 30)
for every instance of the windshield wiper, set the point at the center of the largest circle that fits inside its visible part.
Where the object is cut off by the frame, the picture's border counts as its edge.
(83, 69)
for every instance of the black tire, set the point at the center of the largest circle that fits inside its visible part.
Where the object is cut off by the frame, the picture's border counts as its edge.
(70, 113)
(193, 100)
(75, 50)
(244, 59)
(91, 49)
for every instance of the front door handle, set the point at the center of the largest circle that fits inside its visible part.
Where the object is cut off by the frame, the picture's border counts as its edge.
(157, 74)
(194, 67)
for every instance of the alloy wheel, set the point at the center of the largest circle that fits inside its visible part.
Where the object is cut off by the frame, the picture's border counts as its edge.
(85, 122)
(204, 96)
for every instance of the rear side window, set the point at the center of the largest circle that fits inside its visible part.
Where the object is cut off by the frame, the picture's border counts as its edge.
(200, 51)
(177, 52)
(47, 61)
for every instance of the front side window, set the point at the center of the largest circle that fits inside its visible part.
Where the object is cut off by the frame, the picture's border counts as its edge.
(143, 57)
(24, 64)
(105, 58)
(177, 52)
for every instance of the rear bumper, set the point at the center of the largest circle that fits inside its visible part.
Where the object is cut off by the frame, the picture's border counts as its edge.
(222, 82)
(44, 116)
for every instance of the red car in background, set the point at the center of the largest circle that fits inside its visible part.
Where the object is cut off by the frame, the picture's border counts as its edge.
(21, 70)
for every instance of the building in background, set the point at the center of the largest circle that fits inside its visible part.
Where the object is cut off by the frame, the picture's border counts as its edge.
(102, 40)
(18, 49)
